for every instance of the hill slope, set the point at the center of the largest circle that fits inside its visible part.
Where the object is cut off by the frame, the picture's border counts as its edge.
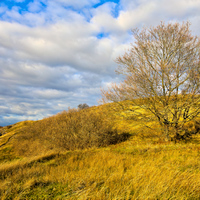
(35, 166)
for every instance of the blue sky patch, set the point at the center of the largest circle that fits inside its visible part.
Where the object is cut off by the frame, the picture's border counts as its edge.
(106, 1)
(10, 4)
(102, 35)
(23, 6)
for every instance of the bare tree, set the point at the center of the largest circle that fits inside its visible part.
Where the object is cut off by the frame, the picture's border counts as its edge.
(83, 106)
(162, 70)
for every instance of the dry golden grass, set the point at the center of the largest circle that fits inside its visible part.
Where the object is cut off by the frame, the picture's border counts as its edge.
(11, 131)
(134, 169)
(143, 167)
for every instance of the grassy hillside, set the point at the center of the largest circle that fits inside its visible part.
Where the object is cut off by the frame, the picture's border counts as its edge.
(89, 155)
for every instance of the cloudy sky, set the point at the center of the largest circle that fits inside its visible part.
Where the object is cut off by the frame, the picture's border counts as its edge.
(56, 54)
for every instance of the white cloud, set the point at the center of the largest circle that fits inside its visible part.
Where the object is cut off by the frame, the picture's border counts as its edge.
(151, 12)
(49, 94)
(35, 6)
(103, 17)
(57, 44)
(195, 25)
(59, 53)
(132, 18)
(184, 7)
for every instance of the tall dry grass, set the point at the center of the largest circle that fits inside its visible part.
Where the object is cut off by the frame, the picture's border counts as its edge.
(123, 171)
(39, 162)
(68, 130)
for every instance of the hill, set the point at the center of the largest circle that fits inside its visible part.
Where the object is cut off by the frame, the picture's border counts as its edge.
(97, 153)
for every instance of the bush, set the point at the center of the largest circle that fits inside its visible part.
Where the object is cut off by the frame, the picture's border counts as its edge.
(70, 130)
(83, 106)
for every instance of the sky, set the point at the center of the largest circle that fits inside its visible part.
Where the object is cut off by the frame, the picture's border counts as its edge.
(56, 54)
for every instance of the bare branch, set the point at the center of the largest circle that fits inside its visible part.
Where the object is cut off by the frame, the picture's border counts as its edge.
(162, 69)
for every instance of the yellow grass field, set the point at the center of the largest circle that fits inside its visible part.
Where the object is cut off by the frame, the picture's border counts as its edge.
(142, 167)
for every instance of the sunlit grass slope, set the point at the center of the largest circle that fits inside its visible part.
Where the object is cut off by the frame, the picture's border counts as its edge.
(10, 131)
(142, 167)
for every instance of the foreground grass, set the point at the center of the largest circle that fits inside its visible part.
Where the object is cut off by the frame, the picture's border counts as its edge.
(38, 161)
(135, 169)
